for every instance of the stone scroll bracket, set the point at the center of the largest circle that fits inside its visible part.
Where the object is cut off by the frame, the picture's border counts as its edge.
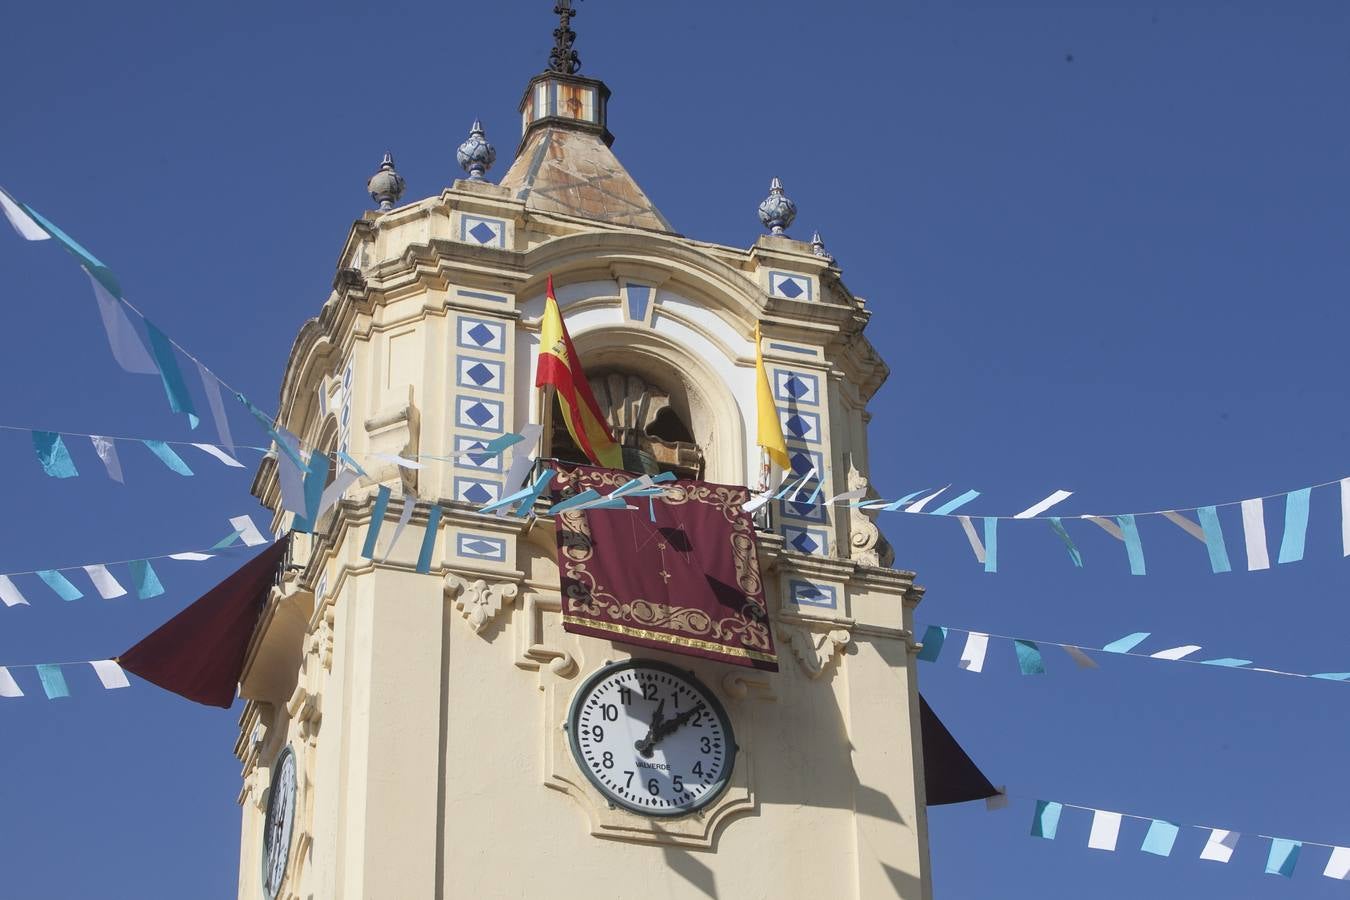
(478, 601)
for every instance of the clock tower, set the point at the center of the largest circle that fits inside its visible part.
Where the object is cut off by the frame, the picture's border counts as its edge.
(421, 724)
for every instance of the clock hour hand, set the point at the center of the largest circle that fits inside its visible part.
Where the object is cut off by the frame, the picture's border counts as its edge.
(664, 730)
(645, 745)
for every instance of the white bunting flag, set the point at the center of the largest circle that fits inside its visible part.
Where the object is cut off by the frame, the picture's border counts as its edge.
(1176, 652)
(1082, 659)
(409, 501)
(1338, 866)
(107, 451)
(1254, 530)
(8, 686)
(110, 673)
(248, 532)
(918, 505)
(1105, 830)
(190, 556)
(855, 494)
(398, 460)
(1186, 525)
(1345, 517)
(972, 658)
(1219, 847)
(104, 582)
(23, 223)
(1032, 511)
(220, 454)
(1108, 526)
(9, 594)
(973, 537)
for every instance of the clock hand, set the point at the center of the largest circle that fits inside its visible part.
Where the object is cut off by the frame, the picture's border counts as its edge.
(666, 729)
(645, 745)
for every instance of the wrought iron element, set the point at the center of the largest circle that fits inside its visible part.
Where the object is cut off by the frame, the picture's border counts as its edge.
(476, 155)
(818, 247)
(776, 211)
(386, 185)
(562, 58)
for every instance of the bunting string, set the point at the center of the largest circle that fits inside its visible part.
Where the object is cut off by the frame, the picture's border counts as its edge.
(1160, 839)
(142, 577)
(1030, 661)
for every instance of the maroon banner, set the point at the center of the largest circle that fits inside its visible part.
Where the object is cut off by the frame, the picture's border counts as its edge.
(199, 653)
(679, 573)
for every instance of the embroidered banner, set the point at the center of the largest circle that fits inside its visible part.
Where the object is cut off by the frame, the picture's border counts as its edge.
(682, 574)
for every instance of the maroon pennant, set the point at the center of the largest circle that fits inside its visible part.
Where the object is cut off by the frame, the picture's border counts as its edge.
(679, 573)
(199, 653)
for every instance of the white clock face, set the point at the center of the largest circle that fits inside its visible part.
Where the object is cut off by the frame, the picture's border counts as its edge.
(651, 738)
(279, 821)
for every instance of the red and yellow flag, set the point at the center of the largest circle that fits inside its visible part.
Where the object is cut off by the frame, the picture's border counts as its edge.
(560, 368)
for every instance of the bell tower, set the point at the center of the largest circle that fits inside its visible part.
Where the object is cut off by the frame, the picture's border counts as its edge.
(411, 722)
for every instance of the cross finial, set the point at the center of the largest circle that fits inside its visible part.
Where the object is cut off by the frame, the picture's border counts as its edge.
(562, 58)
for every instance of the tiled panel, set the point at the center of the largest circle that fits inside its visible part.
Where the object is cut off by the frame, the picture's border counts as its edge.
(476, 414)
(796, 388)
(476, 490)
(481, 463)
(789, 286)
(808, 593)
(480, 546)
(480, 374)
(802, 460)
(810, 512)
(481, 334)
(800, 426)
(482, 231)
(813, 541)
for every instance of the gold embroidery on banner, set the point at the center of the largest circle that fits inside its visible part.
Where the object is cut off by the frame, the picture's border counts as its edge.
(748, 627)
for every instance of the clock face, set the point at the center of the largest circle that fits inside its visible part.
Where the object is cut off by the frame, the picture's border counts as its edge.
(651, 738)
(277, 826)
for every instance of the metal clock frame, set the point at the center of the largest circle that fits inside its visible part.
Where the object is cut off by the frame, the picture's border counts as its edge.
(574, 711)
(267, 817)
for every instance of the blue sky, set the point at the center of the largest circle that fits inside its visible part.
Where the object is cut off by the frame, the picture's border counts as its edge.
(1103, 245)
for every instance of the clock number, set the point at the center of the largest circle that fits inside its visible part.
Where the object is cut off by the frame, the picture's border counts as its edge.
(706, 743)
(598, 733)
(649, 691)
(629, 782)
(653, 787)
(698, 768)
(607, 760)
(625, 696)
(697, 720)
(610, 712)
(679, 785)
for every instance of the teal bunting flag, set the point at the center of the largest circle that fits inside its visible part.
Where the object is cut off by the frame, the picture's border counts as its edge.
(1045, 821)
(1132, 546)
(933, 639)
(1283, 857)
(88, 260)
(270, 427)
(990, 544)
(53, 455)
(166, 455)
(376, 521)
(955, 503)
(228, 540)
(1127, 643)
(1332, 676)
(1228, 661)
(525, 496)
(351, 464)
(1218, 553)
(1058, 527)
(1295, 525)
(61, 584)
(1029, 657)
(316, 476)
(53, 682)
(144, 578)
(180, 401)
(1160, 838)
(429, 540)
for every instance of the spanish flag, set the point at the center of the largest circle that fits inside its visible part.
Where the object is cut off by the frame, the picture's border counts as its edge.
(770, 429)
(560, 368)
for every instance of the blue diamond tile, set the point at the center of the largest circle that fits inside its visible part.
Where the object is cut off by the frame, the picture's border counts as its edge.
(480, 547)
(796, 388)
(478, 413)
(482, 233)
(480, 334)
(479, 373)
(801, 463)
(790, 289)
(802, 510)
(805, 543)
(797, 425)
(477, 494)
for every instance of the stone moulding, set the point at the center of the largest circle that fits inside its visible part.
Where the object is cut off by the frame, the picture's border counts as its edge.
(478, 601)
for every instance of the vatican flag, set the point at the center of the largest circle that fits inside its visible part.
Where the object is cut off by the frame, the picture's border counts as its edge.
(770, 429)
(560, 367)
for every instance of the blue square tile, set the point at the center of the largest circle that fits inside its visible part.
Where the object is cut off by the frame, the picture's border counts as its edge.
(482, 232)
(480, 373)
(805, 543)
(797, 425)
(788, 288)
(476, 493)
(480, 334)
(478, 414)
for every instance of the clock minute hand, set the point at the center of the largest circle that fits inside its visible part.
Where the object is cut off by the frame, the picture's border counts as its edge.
(645, 745)
(666, 729)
